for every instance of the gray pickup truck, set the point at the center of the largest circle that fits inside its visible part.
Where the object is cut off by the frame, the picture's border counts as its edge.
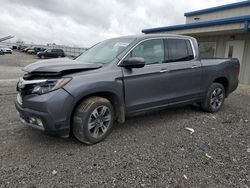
(118, 78)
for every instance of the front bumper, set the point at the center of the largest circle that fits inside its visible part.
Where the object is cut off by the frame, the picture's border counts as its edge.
(52, 109)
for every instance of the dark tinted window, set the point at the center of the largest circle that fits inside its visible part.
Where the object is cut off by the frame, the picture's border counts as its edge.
(57, 50)
(152, 51)
(179, 50)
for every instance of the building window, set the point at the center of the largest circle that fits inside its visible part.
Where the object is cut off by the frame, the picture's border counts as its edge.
(207, 49)
(230, 51)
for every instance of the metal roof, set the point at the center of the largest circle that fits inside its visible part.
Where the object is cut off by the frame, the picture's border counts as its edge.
(238, 19)
(218, 8)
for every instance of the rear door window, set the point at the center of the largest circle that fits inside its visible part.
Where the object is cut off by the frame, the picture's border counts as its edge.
(178, 50)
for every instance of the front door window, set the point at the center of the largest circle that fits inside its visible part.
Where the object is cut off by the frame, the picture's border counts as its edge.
(152, 51)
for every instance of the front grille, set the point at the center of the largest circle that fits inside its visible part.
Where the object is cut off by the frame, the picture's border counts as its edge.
(25, 89)
(29, 81)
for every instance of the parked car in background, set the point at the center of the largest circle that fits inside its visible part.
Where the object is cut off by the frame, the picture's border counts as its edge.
(118, 78)
(21, 48)
(26, 49)
(1, 52)
(35, 50)
(51, 53)
(6, 50)
(31, 50)
(39, 49)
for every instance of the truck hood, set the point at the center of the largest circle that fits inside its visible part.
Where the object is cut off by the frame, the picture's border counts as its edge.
(60, 66)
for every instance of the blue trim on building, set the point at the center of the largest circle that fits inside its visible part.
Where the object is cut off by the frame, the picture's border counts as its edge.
(223, 7)
(199, 24)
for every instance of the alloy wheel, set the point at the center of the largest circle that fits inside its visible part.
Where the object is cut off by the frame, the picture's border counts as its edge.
(99, 121)
(216, 99)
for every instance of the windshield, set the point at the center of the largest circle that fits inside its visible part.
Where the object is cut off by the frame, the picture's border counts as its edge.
(105, 52)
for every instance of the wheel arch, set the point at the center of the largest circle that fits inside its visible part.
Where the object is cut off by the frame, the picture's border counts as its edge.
(112, 97)
(224, 81)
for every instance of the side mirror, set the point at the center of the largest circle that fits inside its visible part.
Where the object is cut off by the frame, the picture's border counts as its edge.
(133, 62)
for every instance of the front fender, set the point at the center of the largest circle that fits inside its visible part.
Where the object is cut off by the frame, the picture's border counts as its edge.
(84, 86)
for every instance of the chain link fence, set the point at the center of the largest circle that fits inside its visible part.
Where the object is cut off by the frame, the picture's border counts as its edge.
(71, 51)
(68, 50)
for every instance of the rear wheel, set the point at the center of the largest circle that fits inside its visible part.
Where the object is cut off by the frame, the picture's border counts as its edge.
(42, 57)
(93, 120)
(214, 99)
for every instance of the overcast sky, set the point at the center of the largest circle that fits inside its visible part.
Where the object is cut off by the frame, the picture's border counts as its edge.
(85, 22)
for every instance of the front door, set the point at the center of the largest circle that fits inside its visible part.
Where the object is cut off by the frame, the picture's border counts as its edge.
(145, 87)
(235, 49)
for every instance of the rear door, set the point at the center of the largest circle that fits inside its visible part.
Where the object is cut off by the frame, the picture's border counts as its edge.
(54, 53)
(145, 87)
(183, 78)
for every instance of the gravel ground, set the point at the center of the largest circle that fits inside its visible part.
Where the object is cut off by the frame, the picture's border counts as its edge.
(152, 150)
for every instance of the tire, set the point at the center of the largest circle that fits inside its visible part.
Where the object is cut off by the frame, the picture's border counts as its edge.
(214, 98)
(59, 56)
(89, 125)
(42, 57)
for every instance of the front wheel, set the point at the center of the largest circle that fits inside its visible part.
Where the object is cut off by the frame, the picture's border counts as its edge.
(93, 120)
(214, 98)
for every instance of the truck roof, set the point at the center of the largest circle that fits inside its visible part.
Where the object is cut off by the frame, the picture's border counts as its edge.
(145, 36)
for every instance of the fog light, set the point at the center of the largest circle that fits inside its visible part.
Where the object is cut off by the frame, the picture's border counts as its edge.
(32, 120)
(35, 121)
(39, 122)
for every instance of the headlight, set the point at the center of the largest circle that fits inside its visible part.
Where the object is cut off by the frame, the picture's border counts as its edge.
(50, 85)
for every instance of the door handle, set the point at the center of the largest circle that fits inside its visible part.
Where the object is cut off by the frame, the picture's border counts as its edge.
(194, 66)
(164, 70)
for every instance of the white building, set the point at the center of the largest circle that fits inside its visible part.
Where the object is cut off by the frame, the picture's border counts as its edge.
(222, 31)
